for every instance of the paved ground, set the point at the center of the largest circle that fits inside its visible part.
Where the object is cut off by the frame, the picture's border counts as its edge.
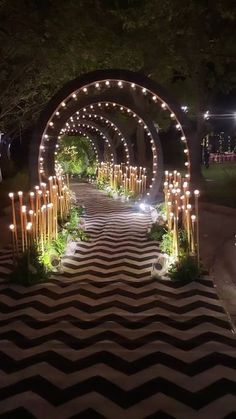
(218, 251)
(106, 340)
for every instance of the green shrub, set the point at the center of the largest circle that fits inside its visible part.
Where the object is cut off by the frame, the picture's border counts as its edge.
(183, 241)
(35, 266)
(166, 245)
(101, 183)
(110, 194)
(30, 269)
(156, 232)
(58, 245)
(82, 235)
(161, 208)
(185, 270)
(76, 156)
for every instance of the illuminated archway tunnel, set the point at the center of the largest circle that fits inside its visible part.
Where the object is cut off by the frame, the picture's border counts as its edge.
(115, 107)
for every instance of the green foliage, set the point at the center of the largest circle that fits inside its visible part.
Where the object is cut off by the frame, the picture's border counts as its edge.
(31, 268)
(166, 245)
(110, 194)
(35, 266)
(128, 194)
(70, 227)
(76, 156)
(156, 232)
(82, 235)
(101, 183)
(58, 245)
(188, 58)
(183, 240)
(185, 270)
(161, 208)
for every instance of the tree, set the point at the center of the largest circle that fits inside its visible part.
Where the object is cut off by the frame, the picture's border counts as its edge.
(189, 46)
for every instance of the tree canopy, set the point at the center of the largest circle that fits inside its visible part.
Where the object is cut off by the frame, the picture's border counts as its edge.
(188, 46)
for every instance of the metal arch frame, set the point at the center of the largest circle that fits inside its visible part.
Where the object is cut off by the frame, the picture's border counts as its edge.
(67, 92)
(112, 120)
(146, 122)
(151, 128)
(88, 122)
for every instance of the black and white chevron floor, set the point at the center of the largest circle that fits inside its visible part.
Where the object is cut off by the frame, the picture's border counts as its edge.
(105, 340)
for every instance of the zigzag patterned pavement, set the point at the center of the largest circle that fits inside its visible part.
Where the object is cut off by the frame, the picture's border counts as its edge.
(105, 340)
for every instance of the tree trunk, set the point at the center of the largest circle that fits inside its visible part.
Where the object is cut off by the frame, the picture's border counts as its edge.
(197, 179)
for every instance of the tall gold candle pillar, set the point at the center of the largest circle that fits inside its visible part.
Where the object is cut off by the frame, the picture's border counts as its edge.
(14, 245)
(196, 195)
(11, 196)
(193, 220)
(24, 224)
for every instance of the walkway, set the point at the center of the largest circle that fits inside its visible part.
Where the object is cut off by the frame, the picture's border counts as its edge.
(105, 340)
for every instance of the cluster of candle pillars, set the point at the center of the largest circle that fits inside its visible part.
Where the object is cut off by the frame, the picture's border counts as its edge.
(180, 212)
(130, 178)
(35, 214)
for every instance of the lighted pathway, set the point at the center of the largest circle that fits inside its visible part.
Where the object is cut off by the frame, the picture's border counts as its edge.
(105, 340)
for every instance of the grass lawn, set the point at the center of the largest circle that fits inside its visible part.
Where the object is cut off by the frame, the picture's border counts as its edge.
(221, 184)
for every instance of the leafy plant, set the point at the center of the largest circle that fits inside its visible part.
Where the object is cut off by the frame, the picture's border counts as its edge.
(110, 194)
(31, 268)
(156, 232)
(185, 270)
(127, 193)
(82, 235)
(59, 244)
(166, 245)
(102, 182)
(70, 229)
(76, 156)
(183, 240)
(161, 208)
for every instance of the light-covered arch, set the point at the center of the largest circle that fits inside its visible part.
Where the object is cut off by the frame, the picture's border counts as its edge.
(70, 98)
